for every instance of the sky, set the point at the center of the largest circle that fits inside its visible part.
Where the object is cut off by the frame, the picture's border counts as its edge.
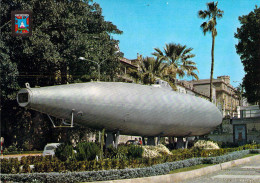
(149, 24)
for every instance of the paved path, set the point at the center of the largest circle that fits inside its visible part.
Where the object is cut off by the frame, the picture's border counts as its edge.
(248, 172)
(19, 156)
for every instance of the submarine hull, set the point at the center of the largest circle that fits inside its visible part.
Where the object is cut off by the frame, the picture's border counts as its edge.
(132, 109)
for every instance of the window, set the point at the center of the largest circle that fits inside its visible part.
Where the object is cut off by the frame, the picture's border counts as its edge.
(50, 147)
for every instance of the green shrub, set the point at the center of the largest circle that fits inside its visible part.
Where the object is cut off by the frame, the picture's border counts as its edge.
(23, 160)
(92, 165)
(26, 168)
(108, 164)
(135, 151)
(12, 148)
(119, 152)
(15, 165)
(65, 152)
(100, 165)
(5, 166)
(71, 165)
(39, 167)
(115, 164)
(123, 163)
(37, 159)
(87, 151)
(82, 166)
(134, 163)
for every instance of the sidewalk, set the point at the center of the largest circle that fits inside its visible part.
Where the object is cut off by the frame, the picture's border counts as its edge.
(19, 156)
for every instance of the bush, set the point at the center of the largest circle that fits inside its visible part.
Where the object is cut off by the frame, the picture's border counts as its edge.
(155, 151)
(119, 152)
(12, 148)
(135, 151)
(87, 151)
(65, 152)
(203, 144)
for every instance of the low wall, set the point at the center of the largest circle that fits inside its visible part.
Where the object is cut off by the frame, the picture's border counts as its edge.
(221, 137)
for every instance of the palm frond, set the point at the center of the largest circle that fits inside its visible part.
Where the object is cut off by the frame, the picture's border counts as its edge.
(158, 52)
(188, 62)
(188, 50)
(212, 7)
(203, 14)
(194, 75)
(180, 72)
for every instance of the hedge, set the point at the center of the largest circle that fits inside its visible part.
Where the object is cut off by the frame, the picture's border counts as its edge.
(102, 175)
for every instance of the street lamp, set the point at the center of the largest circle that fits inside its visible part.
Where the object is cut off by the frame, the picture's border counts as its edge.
(98, 64)
(231, 111)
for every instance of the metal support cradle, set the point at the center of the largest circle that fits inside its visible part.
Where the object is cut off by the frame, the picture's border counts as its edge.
(67, 125)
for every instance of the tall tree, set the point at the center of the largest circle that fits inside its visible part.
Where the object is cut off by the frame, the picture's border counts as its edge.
(179, 61)
(151, 69)
(248, 48)
(63, 31)
(8, 74)
(212, 13)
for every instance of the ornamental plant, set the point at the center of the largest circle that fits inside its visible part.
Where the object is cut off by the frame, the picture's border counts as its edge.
(155, 151)
(65, 152)
(87, 151)
(135, 151)
(203, 144)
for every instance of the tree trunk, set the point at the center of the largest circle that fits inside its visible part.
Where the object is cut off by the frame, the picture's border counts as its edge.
(212, 65)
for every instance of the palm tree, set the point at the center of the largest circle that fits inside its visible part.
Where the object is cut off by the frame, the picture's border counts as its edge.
(212, 13)
(150, 70)
(178, 59)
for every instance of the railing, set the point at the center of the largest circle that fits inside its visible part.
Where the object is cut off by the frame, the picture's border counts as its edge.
(248, 114)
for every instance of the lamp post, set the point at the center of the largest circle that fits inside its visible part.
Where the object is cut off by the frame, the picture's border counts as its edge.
(98, 64)
(231, 111)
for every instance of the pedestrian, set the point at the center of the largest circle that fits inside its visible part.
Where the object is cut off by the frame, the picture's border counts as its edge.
(140, 141)
(135, 142)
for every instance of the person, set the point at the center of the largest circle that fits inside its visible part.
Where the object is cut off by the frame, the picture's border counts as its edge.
(140, 141)
(135, 142)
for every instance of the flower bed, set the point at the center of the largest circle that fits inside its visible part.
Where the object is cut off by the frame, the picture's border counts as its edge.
(126, 173)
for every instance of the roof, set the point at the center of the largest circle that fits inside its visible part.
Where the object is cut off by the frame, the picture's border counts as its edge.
(207, 81)
(128, 62)
(180, 83)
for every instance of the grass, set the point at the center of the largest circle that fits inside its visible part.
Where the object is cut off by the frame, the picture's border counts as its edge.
(190, 168)
(249, 155)
(202, 165)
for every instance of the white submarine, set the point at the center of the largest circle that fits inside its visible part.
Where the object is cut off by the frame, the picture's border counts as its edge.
(125, 108)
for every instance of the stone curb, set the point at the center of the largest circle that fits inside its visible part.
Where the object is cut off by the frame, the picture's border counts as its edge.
(177, 177)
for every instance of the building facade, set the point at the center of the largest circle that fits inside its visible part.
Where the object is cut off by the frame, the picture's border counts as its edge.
(225, 94)
(188, 88)
(125, 69)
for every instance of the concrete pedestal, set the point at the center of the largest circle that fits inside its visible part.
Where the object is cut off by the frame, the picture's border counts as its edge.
(116, 139)
(151, 141)
(109, 139)
(180, 143)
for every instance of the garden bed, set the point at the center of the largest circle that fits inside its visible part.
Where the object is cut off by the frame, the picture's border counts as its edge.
(120, 169)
